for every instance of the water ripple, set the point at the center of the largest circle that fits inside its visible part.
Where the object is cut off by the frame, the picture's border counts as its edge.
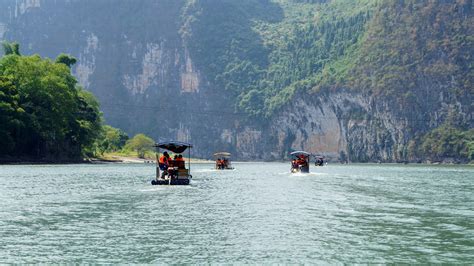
(254, 214)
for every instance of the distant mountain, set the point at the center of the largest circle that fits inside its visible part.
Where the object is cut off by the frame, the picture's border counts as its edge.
(354, 80)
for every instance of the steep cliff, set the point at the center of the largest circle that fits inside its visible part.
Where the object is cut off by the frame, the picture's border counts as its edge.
(354, 80)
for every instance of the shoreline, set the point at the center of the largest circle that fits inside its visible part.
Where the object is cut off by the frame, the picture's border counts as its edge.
(135, 160)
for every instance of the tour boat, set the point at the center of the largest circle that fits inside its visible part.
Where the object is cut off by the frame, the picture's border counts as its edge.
(175, 173)
(300, 162)
(223, 161)
(319, 161)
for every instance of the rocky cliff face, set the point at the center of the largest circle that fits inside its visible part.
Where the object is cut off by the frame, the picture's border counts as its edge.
(144, 61)
(132, 57)
(333, 125)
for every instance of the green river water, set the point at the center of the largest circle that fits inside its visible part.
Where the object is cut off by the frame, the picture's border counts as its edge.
(258, 213)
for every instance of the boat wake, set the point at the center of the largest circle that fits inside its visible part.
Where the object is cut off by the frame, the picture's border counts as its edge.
(301, 174)
(206, 170)
(165, 188)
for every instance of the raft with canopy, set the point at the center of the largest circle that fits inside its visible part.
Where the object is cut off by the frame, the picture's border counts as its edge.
(319, 160)
(222, 160)
(175, 173)
(300, 162)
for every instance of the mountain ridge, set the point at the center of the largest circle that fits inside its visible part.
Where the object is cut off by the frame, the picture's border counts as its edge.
(373, 80)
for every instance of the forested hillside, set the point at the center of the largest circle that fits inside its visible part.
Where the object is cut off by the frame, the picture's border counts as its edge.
(357, 80)
(43, 113)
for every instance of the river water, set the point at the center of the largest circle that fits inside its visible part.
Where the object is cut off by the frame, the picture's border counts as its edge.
(258, 213)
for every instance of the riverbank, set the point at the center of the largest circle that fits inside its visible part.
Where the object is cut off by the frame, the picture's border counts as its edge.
(129, 158)
(121, 158)
(14, 161)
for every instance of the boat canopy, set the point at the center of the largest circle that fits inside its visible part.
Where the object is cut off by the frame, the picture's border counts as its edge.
(174, 146)
(222, 154)
(296, 153)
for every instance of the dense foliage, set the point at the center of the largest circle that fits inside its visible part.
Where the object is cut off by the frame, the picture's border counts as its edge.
(275, 48)
(408, 41)
(140, 143)
(448, 142)
(43, 113)
(419, 55)
(391, 50)
(411, 61)
(111, 140)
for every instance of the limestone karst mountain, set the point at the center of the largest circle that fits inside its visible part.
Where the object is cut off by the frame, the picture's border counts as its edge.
(358, 80)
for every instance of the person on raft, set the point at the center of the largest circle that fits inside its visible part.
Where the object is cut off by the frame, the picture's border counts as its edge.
(179, 160)
(294, 164)
(302, 161)
(164, 163)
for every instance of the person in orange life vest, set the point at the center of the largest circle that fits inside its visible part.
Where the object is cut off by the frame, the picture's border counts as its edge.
(180, 158)
(219, 163)
(172, 162)
(180, 161)
(163, 163)
(302, 160)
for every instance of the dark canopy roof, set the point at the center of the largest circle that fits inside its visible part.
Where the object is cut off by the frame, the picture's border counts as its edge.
(174, 146)
(300, 152)
(222, 154)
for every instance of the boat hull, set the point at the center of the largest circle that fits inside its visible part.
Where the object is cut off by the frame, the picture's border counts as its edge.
(303, 170)
(228, 168)
(174, 182)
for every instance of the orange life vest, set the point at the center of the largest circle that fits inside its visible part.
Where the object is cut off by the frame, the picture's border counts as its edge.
(163, 160)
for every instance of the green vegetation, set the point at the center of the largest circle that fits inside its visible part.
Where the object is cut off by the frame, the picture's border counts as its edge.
(111, 140)
(45, 115)
(309, 46)
(443, 143)
(399, 52)
(410, 42)
(449, 142)
(141, 144)
(66, 59)
(409, 59)
(452, 140)
(11, 48)
(272, 55)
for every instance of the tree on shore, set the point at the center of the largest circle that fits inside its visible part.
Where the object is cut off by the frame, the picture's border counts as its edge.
(66, 59)
(43, 112)
(11, 48)
(141, 144)
(111, 139)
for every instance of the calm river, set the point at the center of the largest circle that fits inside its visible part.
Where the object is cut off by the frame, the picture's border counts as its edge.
(258, 213)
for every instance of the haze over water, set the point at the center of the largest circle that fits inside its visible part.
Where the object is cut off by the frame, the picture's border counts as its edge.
(258, 213)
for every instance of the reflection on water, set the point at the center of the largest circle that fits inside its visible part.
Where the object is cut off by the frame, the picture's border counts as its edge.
(257, 213)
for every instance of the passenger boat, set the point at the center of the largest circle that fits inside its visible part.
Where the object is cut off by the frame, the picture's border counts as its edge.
(176, 172)
(300, 162)
(223, 161)
(319, 161)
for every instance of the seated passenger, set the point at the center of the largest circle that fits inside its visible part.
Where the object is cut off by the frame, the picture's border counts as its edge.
(294, 164)
(300, 161)
(163, 163)
(180, 162)
(172, 162)
(220, 163)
